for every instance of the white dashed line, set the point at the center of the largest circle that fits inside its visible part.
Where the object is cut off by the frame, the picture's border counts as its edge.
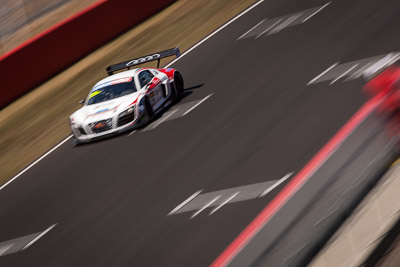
(205, 206)
(223, 203)
(359, 72)
(165, 118)
(270, 27)
(218, 199)
(4, 248)
(185, 202)
(281, 23)
(134, 131)
(313, 14)
(382, 63)
(285, 24)
(195, 106)
(344, 74)
(323, 73)
(366, 67)
(244, 34)
(38, 237)
(284, 178)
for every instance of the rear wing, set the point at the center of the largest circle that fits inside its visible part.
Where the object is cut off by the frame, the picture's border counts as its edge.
(156, 56)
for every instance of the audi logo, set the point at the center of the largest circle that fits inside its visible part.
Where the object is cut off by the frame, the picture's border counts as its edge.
(143, 59)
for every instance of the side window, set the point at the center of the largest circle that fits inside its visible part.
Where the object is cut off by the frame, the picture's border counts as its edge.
(145, 77)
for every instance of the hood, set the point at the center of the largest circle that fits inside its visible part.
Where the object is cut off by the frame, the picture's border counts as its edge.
(104, 110)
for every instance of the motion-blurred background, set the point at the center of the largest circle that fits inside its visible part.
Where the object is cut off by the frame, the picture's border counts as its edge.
(21, 20)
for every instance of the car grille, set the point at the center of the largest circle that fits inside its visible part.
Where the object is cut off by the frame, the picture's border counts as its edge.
(101, 126)
(126, 119)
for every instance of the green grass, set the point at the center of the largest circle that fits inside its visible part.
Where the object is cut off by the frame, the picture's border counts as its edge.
(36, 122)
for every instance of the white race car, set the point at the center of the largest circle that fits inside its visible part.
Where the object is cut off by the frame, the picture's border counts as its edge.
(128, 99)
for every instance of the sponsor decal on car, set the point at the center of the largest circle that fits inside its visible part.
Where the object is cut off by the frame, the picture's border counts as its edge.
(102, 110)
(143, 59)
(94, 93)
(155, 81)
(120, 80)
(134, 101)
(100, 125)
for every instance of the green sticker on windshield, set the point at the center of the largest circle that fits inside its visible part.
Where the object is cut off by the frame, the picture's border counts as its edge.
(94, 93)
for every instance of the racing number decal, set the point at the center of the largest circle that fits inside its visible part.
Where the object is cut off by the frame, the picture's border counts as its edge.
(156, 94)
(152, 99)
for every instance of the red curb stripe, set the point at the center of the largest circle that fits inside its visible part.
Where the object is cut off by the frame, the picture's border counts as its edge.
(297, 182)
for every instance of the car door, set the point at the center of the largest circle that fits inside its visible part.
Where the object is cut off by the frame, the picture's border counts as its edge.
(154, 91)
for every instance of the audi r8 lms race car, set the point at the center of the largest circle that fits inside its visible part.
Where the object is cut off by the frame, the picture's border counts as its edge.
(127, 99)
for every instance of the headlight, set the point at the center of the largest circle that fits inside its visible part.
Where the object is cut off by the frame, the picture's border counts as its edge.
(77, 129)
(127, 111)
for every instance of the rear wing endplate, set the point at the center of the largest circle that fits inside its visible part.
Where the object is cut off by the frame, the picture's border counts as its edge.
(155, 56)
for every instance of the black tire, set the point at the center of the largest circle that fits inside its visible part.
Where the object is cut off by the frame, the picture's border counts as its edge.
(179, 85)
(149, 109)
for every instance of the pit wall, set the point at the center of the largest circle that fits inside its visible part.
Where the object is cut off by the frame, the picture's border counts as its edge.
(50, 52)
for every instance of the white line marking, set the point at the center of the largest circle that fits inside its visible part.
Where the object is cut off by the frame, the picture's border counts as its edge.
(195, 106)
(359, 72)
(134, 131)
(381, 64)
(172, 62)
(316, 12)
(367, 67)
(285, 24)
(343, 74)
(323, 73)
(205, 206)
(396, 58)
(213, 33)
(223, 203)
(185, 202)
(35, 162)
(244, 34)
(268, 28)
(247, 192)
(38, 237)
(164, 119)
(269, 189)
(4, 248)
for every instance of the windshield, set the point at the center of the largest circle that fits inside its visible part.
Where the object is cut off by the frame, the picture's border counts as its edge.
(110, 90)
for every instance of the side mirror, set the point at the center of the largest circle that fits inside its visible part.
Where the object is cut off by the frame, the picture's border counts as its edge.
(81, 101)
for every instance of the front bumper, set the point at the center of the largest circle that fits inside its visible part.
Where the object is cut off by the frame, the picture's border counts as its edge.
(90, 135)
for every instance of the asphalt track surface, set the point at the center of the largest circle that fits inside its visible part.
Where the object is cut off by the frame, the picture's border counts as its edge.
(110, 199)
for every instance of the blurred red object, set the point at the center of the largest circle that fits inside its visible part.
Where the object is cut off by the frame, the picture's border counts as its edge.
(387, 83)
